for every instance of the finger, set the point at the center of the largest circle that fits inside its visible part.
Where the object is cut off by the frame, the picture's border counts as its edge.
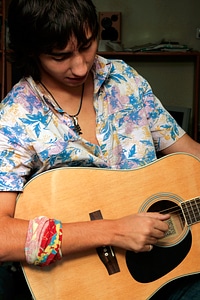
(156, 215)
(158, 233)
(150, 247)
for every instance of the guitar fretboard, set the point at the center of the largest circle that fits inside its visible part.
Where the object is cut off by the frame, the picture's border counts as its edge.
(191, 210)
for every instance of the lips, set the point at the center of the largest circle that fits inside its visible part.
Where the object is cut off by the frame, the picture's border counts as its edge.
(76, 79)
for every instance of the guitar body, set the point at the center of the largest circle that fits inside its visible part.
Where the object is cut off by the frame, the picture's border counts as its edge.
(70, 194)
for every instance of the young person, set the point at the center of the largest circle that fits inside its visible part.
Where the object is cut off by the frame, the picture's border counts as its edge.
(75, 108)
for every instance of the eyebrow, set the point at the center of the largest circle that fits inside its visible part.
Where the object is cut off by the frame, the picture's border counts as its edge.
(68, 52)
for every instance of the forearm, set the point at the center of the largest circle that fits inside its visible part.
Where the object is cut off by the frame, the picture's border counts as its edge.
(76, 237)
(13, 236)
(184, 144)
(85, 235)
(135, 232)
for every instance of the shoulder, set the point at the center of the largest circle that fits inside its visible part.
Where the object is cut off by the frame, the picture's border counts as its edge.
(21, 96)
(112, 64)
(117, 70)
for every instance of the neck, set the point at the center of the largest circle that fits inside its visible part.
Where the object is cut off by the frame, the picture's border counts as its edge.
(74, 117)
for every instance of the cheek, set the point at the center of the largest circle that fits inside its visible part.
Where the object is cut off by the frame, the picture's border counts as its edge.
(95, 46)
(92, 54)
(53, 68)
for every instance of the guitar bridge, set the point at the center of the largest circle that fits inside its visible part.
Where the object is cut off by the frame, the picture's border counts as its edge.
(106, 253)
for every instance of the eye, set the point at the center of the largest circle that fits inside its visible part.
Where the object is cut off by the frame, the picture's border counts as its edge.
(56, 58)
(86, 46)
(60, 57)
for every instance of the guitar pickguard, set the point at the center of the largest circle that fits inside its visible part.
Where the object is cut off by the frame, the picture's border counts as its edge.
(148, 266)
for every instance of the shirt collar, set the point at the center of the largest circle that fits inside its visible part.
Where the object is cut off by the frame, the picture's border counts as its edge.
(101, 70)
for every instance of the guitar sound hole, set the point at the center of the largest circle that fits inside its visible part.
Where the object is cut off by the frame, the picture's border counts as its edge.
(177, 226)
(163, 206)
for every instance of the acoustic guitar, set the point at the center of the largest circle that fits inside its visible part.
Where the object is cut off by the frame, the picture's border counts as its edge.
(171, 184)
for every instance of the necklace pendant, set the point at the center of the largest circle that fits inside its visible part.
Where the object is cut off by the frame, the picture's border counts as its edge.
(77, 127)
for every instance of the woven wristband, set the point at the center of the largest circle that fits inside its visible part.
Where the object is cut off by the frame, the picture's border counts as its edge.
(43, 243)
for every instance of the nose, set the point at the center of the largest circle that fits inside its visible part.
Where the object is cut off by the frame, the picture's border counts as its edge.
(78, 65)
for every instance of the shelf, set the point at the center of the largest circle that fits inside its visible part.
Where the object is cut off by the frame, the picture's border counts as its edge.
(153, 55)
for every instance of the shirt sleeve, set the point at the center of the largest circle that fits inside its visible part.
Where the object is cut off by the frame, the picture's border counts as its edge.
(16, 156)
(164, 128)
(14, 165)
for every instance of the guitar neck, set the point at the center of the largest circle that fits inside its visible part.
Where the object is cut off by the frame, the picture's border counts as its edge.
(191, 210)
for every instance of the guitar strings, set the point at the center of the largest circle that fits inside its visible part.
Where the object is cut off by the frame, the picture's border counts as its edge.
(173, 209)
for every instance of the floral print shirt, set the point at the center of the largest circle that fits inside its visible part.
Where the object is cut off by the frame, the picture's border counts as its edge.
(36, 135)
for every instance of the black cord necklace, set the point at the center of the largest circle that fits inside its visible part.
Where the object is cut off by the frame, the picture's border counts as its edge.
(77, 127)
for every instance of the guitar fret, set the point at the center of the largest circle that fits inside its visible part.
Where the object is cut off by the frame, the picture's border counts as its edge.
(191, 210)
(197, 208)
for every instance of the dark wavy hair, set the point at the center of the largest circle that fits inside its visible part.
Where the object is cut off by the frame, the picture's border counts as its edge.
(39, 26)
